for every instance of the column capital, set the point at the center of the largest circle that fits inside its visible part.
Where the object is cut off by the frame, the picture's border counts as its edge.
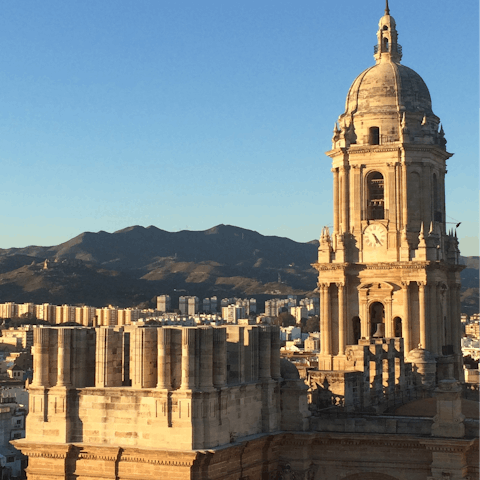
(340, 285)
(421, 284)
(405, 283)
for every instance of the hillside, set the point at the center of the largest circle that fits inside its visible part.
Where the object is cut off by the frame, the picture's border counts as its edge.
(133, 265)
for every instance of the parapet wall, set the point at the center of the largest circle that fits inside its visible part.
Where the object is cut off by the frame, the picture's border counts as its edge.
(158, 387)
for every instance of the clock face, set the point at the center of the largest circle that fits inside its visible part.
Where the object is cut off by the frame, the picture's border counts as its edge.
(374, 236)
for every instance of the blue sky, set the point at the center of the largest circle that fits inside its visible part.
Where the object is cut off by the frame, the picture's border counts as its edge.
(187, 114)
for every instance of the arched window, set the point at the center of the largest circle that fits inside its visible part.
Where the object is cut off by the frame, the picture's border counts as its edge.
(375, 196)
(385, 44)
(374, 136)
(356, 329)
(397, 325)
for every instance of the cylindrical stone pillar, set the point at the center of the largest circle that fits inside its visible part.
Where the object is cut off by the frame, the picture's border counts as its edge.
(341, 320)
(335, 201)
(63, 361)
(456, 322)
(164, 369)
(219, 357)
(265, 341)
(421, 307)
(206, 358)
(344, 199)
(404, 194)
(432, 316)
(275, 353)
(188, 358)
(406, 317)
(328, 322)
(41, 360)
(108, 361)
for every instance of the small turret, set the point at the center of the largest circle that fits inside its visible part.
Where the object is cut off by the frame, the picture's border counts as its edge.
(387, 47)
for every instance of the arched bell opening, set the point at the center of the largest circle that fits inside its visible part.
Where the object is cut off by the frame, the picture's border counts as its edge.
(377, 320)
(375, 196)
(356, 329)
(397, 327)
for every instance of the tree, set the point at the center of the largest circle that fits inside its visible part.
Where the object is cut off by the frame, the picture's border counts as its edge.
(310, 324)
(285, 319)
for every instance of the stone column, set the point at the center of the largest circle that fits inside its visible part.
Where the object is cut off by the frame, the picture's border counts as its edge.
(342, 325)
(421, 307)
(164, 369)
(344, 201)
(206, 358)
(219, 357)
(265, 346)
(404, 193)
(456, 325)
(433, 318)
(108, 358)
(355, 189)
(328, 322)
(143, 358)
(275, 353)
(335, 201)
(188, 358)
(363, 313)
(406, 317)
(389, 327)
(321, 288)
(63, 361)
(41, 357)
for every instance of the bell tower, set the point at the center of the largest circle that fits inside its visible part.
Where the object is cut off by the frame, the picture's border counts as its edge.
(389, 267)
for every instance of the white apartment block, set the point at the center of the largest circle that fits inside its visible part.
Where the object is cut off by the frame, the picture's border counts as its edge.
(209, 305)
(25, 309)
(106, 316)
(232, 313)
(311, 304)
(164, 303)
(8, 310)
(299, 313)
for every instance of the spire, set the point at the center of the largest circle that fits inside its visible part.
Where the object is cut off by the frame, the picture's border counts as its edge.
(387, 10)
(421, 236)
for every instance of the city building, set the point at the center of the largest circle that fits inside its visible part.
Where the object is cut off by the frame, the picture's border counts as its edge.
(164, 303)
(232, 313)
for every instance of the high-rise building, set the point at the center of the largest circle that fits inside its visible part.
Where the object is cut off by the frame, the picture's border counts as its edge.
(163, 303)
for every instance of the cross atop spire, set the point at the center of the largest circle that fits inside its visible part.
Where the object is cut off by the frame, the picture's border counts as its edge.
(387, 10)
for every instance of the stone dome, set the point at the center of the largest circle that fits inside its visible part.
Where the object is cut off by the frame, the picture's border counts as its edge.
(288, 370)
(388, 87)
(388, 102)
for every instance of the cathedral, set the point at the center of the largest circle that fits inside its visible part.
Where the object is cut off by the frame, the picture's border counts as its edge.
(387, 399)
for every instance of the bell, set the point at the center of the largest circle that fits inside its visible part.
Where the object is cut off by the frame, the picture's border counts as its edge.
(380, 333)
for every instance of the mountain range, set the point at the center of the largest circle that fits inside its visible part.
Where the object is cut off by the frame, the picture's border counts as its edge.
(131, 266)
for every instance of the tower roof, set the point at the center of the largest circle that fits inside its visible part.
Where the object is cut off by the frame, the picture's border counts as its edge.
(388, 86)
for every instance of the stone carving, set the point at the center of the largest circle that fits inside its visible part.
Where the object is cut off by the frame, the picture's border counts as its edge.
(285, 472)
